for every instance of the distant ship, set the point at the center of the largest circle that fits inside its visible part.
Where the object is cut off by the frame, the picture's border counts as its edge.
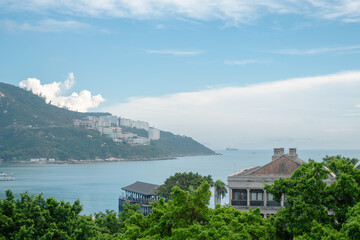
(6, 177)
(232, 149)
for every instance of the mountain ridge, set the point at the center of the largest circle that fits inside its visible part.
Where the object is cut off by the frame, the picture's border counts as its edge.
(31, 128)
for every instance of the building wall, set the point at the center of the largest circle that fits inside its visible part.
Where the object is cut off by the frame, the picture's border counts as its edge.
(253, 184)
(135, 124)
(154, 134)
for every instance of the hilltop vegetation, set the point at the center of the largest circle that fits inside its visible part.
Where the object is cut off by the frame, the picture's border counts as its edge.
(30, 128)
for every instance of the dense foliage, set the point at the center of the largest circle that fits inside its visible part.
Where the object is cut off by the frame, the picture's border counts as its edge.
(315, 210)
(180, 145)
(173, 145)
(186, 216)
(185, 181)
(30, 128)
(22, 108)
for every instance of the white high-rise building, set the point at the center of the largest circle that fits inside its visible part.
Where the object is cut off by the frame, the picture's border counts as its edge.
(134, 124)
(154, 134)
(110, 120)
(125, 122)
(140, 125)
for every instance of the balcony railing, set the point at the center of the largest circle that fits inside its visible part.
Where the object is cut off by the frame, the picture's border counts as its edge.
(140, 201)
(273, 204)
(238, 202)
(256, 203)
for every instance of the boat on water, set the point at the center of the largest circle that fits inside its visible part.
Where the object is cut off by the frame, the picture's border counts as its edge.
(232, 149)
(6, 177)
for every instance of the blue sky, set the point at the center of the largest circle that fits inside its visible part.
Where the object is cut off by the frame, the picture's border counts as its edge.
(172, 62)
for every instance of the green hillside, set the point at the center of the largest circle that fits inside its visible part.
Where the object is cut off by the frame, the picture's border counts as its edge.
(30, 128)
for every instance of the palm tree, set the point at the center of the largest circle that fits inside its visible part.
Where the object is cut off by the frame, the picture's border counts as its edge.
(220, 191)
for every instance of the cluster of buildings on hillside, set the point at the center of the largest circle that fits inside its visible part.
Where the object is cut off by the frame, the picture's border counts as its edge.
(112, 127)
(245, 188)
(42, 160)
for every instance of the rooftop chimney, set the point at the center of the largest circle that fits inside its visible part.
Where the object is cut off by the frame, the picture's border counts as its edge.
(278, 152)
(292, 153)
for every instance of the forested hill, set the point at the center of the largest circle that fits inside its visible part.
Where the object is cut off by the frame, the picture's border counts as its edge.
(22, 108)
(31, 128)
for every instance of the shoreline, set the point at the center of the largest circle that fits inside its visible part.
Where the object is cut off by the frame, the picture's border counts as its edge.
(73, 161)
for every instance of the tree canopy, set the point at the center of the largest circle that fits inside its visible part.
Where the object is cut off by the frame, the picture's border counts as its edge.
(187, 216)
(315, 209)
(220, 191)
(185, 181)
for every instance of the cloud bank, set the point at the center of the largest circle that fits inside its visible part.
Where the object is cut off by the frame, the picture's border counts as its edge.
(311, 112)
(342, 49)
(237, 11)
(54, 93)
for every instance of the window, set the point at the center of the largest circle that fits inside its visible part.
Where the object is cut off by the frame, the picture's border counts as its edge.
(257, 195)
(239, 194)
(254, 196)
(270, 197)
(271, 201)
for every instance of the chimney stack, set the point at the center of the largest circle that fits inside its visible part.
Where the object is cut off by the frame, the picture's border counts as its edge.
(278, 152)
(292, 153)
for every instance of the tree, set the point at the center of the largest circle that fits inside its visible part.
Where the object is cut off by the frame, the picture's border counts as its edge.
(315, 209)
(185, 181)
(351, 228)
(306, 195)
(327, 160)
(219, 191)
(345, 191)
(33, 217)
(187, 216)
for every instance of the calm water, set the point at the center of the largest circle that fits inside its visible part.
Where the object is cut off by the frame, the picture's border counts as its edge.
(98, 185)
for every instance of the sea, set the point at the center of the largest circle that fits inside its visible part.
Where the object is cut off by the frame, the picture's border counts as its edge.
(98, 185)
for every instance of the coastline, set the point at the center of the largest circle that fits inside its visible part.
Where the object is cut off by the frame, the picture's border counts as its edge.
(112, 159)
(73, 161)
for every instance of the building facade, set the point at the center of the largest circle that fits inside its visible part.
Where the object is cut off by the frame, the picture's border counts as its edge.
(134, 124)
(154, 134)
(140, 193)
(246, 187)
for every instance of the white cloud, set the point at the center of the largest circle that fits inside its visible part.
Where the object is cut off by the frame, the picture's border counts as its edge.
(243, 62)
(314, 51)
(53, 93)
(351, 20)
(236, 11)
(160, 26)
(259, 116)
(173, 52)
(48, 25)
(338, 130)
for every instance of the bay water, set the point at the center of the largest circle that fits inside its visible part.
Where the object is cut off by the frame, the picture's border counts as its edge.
(98, 185)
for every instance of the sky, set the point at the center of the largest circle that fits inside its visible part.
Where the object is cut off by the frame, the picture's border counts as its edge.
(228, 73)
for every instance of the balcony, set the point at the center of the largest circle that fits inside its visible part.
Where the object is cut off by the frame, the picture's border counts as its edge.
(238, 202)
(257, 203)
(140, 201)
(273, 204)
